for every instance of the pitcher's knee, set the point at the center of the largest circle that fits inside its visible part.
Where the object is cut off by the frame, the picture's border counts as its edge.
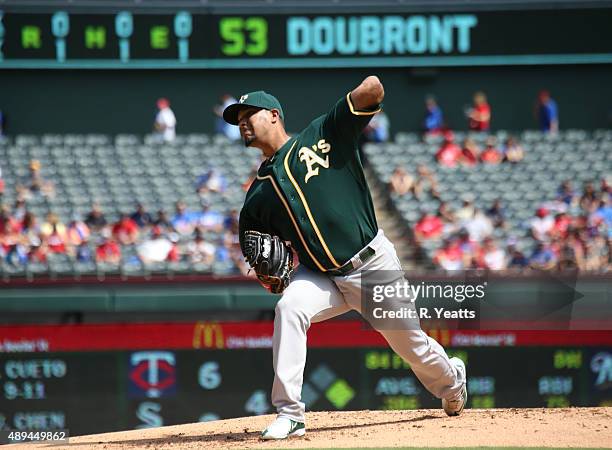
(287, 309)
(411, 345)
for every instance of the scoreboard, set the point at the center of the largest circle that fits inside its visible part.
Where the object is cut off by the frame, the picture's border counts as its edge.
(89, 392)
(185, 39)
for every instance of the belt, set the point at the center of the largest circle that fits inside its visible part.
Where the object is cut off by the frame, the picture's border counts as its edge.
(354, 263)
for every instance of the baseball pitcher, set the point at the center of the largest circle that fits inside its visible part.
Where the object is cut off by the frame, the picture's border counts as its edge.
(311, 197)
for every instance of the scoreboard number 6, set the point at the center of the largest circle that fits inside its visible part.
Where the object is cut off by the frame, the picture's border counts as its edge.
(244, 36)
(209, 376)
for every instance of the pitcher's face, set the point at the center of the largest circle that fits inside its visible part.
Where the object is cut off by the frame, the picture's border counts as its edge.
(254, 124)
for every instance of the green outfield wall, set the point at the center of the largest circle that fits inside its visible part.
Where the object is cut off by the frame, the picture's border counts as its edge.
(123, 101)
(591, 298)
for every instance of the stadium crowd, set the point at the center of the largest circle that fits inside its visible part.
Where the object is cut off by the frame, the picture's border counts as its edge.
(200, 238)
(572, 231)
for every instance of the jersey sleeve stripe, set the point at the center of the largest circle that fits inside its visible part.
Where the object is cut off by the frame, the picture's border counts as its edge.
(357, 112)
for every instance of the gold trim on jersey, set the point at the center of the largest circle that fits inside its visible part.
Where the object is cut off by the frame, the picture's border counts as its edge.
(308, 213)
(357, 112)
(297, 228)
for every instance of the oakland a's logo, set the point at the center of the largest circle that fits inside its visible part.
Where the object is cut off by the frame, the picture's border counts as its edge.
(311, 158)
(243, 98)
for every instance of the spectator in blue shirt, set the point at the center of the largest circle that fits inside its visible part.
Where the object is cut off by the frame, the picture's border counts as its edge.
(184, 221)
(232, 132)
(566, 193)
(543, 258)
(210, 220)
(83, 252)
(517, 259)
(434, 119)
(604, 214)
(378, 128)
(548, 114)
(141, 216)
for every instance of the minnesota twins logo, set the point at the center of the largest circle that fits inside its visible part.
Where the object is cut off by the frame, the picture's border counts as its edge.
(152, 373)
(309, 156)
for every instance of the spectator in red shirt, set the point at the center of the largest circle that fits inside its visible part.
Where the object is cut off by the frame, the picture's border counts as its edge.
(449, 154)
(428, 227)
(449, 257)
(561, 226)
(126, 230)
(492, 257)
(78, 232)
(480, 114)
(8, 224)
(108, 251)
(56, 240)
(38, 251)
(470, 152)
(491, 155)
(53, 233)
(158, 248)
(541, 225)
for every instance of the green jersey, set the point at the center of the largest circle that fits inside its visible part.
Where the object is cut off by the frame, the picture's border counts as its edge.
(313, 193)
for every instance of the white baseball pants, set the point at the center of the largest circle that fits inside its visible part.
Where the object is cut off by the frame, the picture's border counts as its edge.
(313, 297)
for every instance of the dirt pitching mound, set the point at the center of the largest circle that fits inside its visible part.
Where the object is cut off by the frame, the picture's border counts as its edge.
(567, 427)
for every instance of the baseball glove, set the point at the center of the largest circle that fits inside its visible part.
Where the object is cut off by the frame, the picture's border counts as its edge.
(271, 259)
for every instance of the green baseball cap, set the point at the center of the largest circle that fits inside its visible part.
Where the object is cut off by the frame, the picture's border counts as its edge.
(258, 99)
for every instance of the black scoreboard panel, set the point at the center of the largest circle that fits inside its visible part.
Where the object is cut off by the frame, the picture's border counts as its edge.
(57, 390)
(186, 39)
(103, 391)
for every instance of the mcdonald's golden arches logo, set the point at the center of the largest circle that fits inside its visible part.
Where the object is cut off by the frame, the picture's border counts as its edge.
(208, 335)
(441, 335)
